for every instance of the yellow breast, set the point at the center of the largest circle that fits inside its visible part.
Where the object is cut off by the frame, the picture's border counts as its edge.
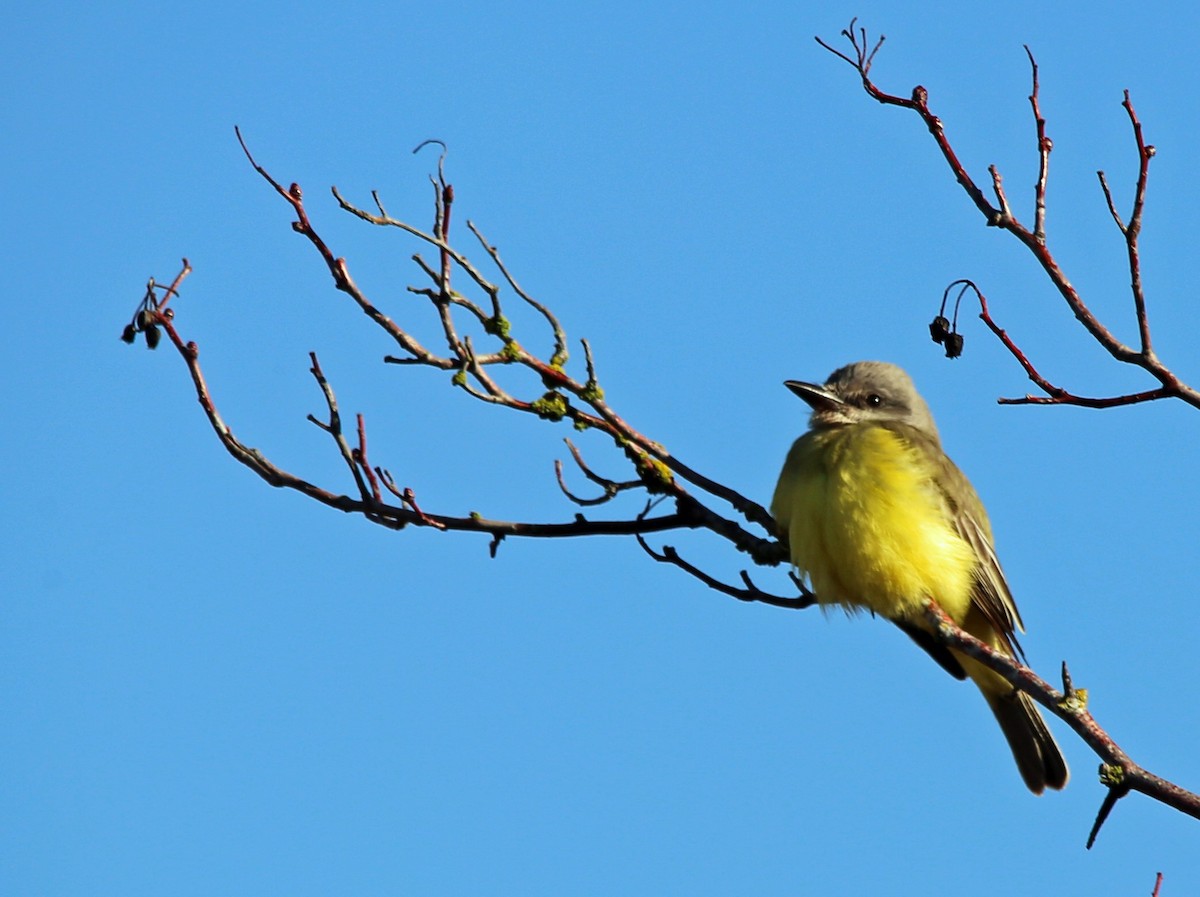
(868, 525)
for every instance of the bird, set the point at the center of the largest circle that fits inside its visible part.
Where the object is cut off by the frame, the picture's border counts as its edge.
(877, 518)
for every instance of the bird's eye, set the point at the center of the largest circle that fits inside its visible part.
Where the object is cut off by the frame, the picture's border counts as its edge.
(874, 400)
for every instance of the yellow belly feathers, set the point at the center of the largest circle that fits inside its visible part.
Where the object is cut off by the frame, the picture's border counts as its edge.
(868, 527)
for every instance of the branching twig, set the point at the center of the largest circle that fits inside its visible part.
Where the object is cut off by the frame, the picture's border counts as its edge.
(749, 592)
(567, 399)
(1132, 230)
(1035, 240)
(1044, 146)
(582, 402)
(1054, 395)
(334, 427)
(611, 487)
(1118, 772)
(391, 516)
(360, 455)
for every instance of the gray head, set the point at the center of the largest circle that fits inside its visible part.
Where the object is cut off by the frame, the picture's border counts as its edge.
(863, 392)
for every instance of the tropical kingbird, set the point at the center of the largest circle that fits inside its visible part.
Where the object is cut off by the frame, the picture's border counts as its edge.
(878, 518)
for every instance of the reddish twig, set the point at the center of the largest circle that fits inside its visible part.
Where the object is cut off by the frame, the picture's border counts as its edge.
(339, 270)
(407, 496)
(651, 461)
(1132, 230)
(1054, 395)
(173, 290)
(998, 189)
(360, 455)
(377, 511)
(658, 470)
(918, 102)
(611, 487)
(1035, 240)
(1118, 772)
(392, 516)
(749, 591)
(1044, 146)
(153, 308)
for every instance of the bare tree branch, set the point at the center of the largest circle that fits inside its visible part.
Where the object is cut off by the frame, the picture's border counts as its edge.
(580, 402)
(1118, 772)
(697, 502)
(1055, 395)
(1034, 240)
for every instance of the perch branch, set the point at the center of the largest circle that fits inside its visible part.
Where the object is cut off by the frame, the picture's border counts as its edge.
(1119, 773)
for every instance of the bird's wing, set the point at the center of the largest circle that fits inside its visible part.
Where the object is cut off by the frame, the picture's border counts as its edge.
(991, 594)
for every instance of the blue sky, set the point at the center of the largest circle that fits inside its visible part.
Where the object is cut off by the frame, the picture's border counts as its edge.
(212, 687)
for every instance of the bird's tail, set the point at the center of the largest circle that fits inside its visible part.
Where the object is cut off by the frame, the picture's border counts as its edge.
(1033, 747)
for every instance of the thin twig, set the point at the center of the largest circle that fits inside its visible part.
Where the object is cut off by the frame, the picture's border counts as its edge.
(752, 593)
(1054, 395)
(611, 487)
(1134, 228)
(998, 189)
(1044, 146)
(1121, 773)
(334, 427)
(1034, 240)
(360, 455)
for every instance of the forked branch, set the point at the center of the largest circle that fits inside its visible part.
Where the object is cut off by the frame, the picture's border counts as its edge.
(694, 500)
(1034, 239)
(1118, 772)
(579, 401)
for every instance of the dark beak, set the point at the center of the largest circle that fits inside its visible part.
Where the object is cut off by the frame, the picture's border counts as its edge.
(820, 398)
